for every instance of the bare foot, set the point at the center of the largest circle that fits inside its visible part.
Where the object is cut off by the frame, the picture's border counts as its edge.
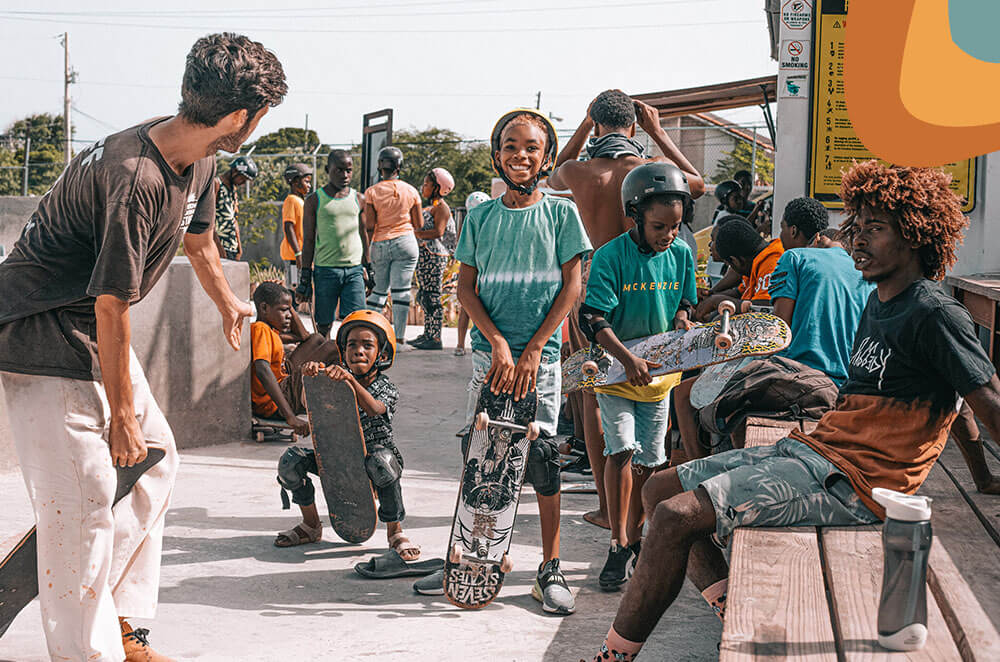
(597, 518)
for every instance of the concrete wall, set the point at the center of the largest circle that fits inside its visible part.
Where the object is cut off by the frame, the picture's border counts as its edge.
(14, 213)
(200, 383)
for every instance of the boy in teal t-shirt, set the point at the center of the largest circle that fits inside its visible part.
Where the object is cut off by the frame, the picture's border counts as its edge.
(519, 277)
(641, 283)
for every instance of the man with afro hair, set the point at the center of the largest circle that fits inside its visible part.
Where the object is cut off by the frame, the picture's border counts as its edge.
(915, 357)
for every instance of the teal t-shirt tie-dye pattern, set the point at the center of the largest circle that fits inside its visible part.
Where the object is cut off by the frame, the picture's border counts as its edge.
(519, 254)
(640, 292)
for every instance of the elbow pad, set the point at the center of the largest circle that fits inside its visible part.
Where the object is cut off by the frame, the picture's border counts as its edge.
(592, 321)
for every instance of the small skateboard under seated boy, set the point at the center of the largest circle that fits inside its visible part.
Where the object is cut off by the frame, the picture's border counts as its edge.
(276, 380)
(368, 346)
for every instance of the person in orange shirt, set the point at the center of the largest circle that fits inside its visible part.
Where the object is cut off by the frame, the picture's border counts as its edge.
(299, 178)
(392, 213)
(754, 258)
(276, 380)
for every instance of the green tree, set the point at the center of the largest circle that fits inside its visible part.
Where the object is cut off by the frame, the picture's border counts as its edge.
(45, 158)
(468, 162)
(740, 158)
(287, 140)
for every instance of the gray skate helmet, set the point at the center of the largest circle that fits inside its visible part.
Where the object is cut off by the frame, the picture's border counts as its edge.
(245, 166)
(652, 179)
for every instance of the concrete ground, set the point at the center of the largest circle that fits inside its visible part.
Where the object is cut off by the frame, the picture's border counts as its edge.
(226, 593)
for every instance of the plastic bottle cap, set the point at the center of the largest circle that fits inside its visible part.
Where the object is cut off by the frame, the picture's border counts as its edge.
(903, 507)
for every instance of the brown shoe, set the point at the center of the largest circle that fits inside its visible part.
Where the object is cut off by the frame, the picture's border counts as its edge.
(137, 646)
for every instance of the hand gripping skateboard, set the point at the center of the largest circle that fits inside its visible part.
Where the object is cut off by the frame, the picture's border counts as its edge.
(481, 532)
(731, 337)
(340, 457)
(19, 570)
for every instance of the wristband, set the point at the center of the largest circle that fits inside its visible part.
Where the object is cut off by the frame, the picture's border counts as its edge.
(298, 254)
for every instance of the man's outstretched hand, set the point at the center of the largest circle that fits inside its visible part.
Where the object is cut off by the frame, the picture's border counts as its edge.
(232, 321)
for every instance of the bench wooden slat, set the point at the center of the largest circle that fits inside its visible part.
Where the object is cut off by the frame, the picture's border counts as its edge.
(853, 558)
(776, 606)
(965, 560)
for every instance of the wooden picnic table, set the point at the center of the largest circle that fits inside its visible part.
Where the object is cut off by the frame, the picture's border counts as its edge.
(812, 593)
(980, 294)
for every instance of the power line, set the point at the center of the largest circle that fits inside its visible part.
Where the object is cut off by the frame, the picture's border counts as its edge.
(91, 117)
(338, 12)
(388, 30)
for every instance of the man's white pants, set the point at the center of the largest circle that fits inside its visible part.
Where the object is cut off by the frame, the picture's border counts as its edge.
(95, 563)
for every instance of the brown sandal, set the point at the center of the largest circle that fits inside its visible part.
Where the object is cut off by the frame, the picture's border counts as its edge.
(300, 535)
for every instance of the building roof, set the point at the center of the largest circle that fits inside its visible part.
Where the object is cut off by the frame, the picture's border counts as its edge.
(722, 96)
(746, 134)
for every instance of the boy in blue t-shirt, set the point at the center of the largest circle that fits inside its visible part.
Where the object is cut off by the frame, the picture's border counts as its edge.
(519, 277)
(641, 283)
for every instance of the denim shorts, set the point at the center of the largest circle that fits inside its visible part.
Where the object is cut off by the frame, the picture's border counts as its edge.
(338, 285)
(640, 427)
(787, 484)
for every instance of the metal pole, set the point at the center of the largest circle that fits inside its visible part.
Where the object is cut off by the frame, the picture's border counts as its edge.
(753, 160)
(67, 79)
(538, 100)
(27, 159)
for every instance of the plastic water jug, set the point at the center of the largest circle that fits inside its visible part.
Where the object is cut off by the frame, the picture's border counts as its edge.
(906, 544)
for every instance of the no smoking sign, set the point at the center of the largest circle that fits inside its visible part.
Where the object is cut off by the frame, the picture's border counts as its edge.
(794, 55)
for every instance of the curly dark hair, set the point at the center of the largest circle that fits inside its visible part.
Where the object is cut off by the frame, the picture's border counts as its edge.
(928, 213)
(808, 215)
(228, 72)
(737, 238)
(613, 109)
(269, 293)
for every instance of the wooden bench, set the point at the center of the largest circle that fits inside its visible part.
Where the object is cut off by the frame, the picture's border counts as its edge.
(812, 594)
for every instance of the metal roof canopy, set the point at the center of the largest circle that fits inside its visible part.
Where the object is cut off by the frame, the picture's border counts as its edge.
(722, 96)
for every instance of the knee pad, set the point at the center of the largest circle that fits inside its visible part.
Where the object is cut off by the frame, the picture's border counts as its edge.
(293, 471)
(383, 467)
(401, 297)
(543, 467)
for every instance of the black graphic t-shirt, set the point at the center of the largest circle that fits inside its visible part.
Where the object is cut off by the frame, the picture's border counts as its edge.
(912, 357)
(110, 225)
(377, 430)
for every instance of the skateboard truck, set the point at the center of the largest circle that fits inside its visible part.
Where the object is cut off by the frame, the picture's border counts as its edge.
(589, 367)
(456, 555)
(531, 430)
(724, 340)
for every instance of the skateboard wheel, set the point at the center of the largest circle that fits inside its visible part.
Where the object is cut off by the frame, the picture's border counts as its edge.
(482, 420)
(533, 431)
(455, 554)
(259, 435)
(506, 565)
(745, 306)
(727, 306)
(589, 368)
(723, 341)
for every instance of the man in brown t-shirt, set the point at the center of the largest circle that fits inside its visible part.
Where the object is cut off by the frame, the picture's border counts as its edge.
(78, 401)
(915, 356)
(596, 185)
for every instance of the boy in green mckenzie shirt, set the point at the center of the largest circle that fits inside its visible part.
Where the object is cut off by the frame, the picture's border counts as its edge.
(641, 283)
(519, 276)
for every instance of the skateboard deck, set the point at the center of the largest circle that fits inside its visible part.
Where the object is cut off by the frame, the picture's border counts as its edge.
(710, 383)
(751, 334)
(487, 499)
(340, 457)
(19, 569)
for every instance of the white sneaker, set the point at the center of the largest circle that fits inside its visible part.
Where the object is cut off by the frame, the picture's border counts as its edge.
(403, 347)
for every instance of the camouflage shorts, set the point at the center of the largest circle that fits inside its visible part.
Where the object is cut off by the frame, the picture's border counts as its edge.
(787, 484)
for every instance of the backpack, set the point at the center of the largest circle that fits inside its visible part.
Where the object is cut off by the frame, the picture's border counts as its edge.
(772, 387)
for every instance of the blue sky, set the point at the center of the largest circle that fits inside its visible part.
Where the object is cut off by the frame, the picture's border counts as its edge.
(455, 64)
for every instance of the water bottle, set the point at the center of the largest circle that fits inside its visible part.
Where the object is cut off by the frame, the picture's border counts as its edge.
(906, 543)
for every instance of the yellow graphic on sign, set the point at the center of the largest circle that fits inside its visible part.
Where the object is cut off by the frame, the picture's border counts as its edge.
(834, 145)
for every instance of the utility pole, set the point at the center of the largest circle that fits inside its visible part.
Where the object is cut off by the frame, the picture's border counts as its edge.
(27, 162)
(69, 77)
(538, 100)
